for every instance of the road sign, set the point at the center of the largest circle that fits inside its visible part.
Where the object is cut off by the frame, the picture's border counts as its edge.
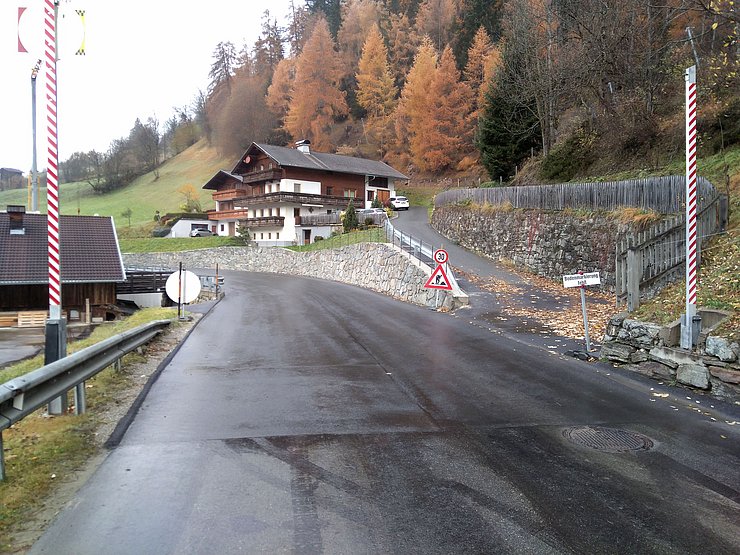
(441, 256)
(185, 289)
(579, 280)
(438, 280)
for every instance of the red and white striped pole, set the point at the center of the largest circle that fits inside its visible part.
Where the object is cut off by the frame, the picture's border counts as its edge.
(56, 327)
(691, 197)
(52, 186)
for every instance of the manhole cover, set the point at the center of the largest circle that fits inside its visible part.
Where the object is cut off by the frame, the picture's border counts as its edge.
(609, 440)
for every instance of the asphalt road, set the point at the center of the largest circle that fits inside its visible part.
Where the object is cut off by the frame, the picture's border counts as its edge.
(304, 416)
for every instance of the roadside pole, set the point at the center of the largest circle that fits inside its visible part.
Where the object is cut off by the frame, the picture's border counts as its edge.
(56, 327)
(687, 332)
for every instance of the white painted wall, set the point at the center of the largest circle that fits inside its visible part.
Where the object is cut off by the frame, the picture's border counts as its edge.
(183, 227)
(309, 187)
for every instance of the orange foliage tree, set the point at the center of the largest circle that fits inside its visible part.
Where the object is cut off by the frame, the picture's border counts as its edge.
(315, 100)
(376, 92)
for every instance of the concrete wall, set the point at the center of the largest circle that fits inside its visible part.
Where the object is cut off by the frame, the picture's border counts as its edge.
(377, 266)
(547, 243)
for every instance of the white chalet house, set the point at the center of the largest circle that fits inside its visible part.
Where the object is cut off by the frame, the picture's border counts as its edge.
(290, 195)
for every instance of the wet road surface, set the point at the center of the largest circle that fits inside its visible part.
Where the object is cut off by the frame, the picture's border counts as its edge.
(304, 416)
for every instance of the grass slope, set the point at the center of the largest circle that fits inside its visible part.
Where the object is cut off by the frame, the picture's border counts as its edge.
(144, 196)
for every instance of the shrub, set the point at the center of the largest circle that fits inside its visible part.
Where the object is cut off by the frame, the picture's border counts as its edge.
(161, 231)
(318, 238)
(569, 159)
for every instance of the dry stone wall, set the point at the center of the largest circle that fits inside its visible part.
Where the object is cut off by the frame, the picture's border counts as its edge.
(548, 243)
(377, 266)
(645, 348)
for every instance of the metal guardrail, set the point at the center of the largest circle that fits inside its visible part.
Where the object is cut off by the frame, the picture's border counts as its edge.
(25, 394)
(416, 247)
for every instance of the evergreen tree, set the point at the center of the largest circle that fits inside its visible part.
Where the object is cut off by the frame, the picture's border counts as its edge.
(472, 15)
(506, 133)
(350, 221)
(225, 62)
(331, 11)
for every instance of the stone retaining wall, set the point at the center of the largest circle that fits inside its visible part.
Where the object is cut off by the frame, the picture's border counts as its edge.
(377, 266)
(547, 243)
(643, 348)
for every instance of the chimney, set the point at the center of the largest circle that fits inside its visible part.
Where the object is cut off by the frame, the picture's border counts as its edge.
(15, 215)
(303, 146)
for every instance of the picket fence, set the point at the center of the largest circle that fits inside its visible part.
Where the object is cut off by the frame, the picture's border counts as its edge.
(646, 261)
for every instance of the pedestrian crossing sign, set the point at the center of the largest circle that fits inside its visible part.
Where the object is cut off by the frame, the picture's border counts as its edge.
(438, 280)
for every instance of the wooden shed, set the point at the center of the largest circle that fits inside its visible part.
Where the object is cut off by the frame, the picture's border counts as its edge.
(91, 265)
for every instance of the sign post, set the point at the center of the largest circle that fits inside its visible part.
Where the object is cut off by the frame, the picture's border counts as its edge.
(691, 229)
(581, 280)
(439, 280)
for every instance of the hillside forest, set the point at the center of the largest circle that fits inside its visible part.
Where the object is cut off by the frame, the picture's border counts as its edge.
(459, 87)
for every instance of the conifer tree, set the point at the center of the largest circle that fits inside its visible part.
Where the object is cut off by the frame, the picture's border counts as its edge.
(376, 92)
(350, 220)
(315, 100)
(413, 107)
(478, 66)
(446, 130)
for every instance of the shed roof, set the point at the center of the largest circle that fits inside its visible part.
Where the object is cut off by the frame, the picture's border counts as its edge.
(221, 176)
(89, 251)
(321, 161)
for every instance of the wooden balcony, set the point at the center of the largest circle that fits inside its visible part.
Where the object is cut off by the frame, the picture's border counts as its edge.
(238, 214)
(292, 198)
(262, 176)
(268, 221)
(228, 194)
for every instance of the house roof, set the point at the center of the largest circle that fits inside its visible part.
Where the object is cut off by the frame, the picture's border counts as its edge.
(321, 161)
(222, 176)
(89, 251)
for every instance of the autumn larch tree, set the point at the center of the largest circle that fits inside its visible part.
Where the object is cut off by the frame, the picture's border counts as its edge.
(316, 101)
(413, 107)
(446, 130)
(376, 92)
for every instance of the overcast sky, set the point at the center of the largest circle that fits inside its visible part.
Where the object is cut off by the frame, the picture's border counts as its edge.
(144, 57)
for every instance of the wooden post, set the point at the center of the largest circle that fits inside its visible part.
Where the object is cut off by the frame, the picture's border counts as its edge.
(634, 271)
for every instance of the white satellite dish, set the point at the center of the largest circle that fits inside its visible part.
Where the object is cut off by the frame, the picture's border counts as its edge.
(183, 289)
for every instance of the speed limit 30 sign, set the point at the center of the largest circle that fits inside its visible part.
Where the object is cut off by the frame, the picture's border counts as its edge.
(441, 256)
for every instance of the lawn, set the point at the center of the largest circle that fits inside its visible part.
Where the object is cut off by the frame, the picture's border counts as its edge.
(144, 196)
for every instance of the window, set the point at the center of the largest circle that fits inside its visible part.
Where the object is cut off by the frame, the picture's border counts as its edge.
(262, 235)
(269, 235)
(262, 167)
(223, 227)
(350, 193)
(255, 236)
(370, 195)
(296, 187)
(330, 191)
(277, 235)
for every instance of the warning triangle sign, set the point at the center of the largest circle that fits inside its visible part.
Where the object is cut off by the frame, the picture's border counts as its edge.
(438, 280)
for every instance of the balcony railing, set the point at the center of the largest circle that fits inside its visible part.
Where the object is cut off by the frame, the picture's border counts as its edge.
(228, 194)
(268, 221)
(262, 176)
(227, 214)
(293, 198)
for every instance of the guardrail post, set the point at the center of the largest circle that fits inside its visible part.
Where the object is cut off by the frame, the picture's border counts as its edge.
(2, 458)
(80, 400)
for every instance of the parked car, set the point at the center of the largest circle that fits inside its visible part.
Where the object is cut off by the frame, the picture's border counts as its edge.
(201, 233)
(399, 203)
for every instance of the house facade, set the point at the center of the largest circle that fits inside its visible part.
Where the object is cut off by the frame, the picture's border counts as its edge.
(288, 196)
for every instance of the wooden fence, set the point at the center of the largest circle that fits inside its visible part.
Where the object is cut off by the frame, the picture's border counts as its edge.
(664, 195)
(649, 260)
(646, 261)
